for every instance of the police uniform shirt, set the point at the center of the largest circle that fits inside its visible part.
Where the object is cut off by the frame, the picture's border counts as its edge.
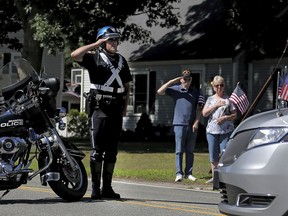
(99, 71)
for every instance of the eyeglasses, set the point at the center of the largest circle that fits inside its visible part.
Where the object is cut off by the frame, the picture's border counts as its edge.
(188, 79)
(217, 86)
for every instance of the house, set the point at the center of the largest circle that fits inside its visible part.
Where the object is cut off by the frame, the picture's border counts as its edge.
(182, 48)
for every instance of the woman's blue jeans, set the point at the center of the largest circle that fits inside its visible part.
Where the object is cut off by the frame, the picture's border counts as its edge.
(216, 144)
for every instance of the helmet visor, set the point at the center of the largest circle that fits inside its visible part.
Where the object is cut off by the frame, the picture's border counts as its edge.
(112, 35)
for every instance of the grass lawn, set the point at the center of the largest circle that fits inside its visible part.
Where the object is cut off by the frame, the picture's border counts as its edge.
(155, 162)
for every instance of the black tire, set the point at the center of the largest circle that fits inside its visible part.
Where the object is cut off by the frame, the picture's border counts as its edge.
(72, 185)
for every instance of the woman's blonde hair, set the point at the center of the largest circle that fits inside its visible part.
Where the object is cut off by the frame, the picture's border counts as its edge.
(217, 78)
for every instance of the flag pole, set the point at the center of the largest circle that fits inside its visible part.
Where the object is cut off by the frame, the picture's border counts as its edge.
(266, 85)
(260, 94)
(277, 98)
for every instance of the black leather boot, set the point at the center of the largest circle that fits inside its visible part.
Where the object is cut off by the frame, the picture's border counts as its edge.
(107, 190)
(96, 168)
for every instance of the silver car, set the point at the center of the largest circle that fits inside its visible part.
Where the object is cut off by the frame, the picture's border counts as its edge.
(253, 170)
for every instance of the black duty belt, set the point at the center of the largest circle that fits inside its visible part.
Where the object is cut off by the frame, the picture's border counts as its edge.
(101, 96)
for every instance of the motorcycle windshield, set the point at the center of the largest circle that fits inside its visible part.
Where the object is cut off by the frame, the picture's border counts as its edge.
(15, 75)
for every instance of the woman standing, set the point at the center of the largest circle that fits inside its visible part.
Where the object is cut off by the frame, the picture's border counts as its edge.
(220, 123)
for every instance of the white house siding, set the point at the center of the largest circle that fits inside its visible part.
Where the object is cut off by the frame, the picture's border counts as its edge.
(242, 77)
(259, 73)
(166, 70)
(222, 67)
(259, 77)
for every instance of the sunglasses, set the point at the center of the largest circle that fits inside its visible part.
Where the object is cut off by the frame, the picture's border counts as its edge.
(221, 85)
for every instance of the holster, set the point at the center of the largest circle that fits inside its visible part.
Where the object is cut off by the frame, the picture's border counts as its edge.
(91, 103)
(98, 100)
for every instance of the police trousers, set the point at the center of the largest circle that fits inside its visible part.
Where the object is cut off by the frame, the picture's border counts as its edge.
(105, 123)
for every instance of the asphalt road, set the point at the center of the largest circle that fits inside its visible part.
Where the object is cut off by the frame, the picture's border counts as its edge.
(137, 199)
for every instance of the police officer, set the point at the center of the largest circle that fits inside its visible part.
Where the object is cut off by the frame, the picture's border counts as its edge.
(109, 90)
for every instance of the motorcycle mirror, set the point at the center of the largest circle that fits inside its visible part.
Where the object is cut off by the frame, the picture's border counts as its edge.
(43, 90)
(61, 112)
(19, 95)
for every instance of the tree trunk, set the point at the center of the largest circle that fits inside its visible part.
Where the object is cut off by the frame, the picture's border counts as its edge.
(31, 51)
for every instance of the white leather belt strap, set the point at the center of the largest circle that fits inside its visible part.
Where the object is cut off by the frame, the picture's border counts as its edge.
(107, 88)
(115, 71)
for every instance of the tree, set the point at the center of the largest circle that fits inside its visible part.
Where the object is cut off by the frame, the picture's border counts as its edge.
(260, 28)
(56, 24)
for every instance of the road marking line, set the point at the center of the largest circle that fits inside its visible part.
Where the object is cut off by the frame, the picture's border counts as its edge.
(171, 208)
(37, 189)
(168, 187)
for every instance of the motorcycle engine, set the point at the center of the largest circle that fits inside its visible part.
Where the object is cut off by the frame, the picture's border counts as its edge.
(8, 147)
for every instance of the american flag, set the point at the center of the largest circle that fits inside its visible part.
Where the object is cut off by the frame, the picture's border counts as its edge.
(239, 98)
(283, 87)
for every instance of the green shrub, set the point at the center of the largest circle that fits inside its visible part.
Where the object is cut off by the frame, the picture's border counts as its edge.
(78, 124)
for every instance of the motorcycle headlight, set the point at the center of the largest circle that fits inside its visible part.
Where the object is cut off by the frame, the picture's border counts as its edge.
(267, 136)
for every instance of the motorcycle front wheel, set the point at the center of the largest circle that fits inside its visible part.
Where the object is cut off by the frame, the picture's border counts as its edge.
(72, 184)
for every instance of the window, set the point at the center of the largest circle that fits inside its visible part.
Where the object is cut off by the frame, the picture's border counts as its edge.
(142, 92)
(75, 106)
(76, 75)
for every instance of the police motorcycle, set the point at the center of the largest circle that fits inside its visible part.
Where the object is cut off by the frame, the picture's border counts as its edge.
(28, 121)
